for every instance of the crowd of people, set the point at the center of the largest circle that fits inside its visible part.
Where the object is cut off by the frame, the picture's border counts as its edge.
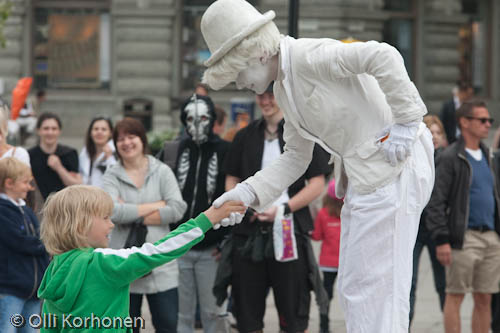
(210, 226)
(150, 199)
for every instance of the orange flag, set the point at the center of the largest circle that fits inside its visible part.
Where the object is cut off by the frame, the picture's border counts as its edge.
(19, 95)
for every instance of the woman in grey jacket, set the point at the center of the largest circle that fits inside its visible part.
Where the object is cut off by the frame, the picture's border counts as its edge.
(145, 190)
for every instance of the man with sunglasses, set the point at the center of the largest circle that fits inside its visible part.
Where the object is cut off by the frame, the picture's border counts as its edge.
(463, 218)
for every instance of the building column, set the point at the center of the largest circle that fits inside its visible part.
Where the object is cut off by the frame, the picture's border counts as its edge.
(441, 22)
(495, 51)
(143, 53)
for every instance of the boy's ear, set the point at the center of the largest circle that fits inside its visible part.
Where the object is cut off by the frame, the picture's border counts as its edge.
(8, 183)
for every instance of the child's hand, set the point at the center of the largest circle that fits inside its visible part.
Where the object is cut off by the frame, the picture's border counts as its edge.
(215, 215)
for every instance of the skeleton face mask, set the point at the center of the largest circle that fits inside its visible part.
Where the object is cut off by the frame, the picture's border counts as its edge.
(198, 120)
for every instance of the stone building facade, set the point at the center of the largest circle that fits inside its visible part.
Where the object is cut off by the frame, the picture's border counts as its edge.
(91, 56)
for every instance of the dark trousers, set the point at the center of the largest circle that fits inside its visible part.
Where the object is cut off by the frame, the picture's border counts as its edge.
(424, 239)
(163, 306)
(495, 313)
(328, 282)
(251, 281)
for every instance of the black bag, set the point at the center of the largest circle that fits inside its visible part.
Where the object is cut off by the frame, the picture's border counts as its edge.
(137, 234)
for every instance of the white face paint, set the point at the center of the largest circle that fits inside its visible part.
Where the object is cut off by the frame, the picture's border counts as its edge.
(257, 76)
(198, 121)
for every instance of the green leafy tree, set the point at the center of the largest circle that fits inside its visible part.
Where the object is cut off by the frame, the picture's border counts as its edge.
(5, 10)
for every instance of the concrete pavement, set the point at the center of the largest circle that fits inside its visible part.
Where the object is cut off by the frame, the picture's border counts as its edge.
(428, 316)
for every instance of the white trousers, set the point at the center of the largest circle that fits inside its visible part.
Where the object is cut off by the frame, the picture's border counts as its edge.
(378, 233)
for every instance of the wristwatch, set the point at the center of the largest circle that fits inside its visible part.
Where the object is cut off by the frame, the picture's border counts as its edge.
(287, 209)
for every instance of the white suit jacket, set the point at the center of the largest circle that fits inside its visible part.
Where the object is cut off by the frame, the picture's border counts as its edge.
(341, 96)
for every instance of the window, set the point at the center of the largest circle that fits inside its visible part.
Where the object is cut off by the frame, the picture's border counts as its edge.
(71, 44)
(473, 46)
(399, 30)
(194, 50)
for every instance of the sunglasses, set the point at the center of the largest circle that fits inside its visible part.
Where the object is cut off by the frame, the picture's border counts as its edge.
(482, 120)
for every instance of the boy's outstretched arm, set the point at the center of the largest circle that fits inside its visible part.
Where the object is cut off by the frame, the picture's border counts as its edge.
(126, 265)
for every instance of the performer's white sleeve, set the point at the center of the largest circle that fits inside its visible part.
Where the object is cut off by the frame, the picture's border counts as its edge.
(380, 60)
(271, 181)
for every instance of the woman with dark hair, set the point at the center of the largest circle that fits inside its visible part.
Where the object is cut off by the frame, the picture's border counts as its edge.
(98, 152)
(145, 192)
(54, 166)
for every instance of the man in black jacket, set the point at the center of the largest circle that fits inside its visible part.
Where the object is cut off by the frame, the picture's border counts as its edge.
(463, 219)
(464, 91)
(254, 266)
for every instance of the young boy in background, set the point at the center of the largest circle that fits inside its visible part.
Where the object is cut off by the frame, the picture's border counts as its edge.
(22, 254)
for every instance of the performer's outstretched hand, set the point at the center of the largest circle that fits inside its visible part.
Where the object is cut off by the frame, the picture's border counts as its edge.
(398, 145)
(242, 192)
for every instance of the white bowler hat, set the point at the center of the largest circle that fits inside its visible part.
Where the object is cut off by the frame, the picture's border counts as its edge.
(226, 23)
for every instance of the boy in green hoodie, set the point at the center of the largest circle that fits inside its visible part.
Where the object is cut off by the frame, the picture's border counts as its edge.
(86, 286)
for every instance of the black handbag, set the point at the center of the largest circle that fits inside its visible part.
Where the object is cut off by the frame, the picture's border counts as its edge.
(137, 237)
(137, 234)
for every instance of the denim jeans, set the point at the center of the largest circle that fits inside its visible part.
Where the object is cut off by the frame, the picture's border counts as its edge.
(424, 239)
(11, 305)
(163, 306)
(197, 269)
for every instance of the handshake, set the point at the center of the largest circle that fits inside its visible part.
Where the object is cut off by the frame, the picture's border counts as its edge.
(243, 195)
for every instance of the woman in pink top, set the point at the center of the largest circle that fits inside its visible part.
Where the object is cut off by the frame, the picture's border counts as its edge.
(327, 229)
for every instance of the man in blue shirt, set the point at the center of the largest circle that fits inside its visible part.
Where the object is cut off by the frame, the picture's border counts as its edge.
(463, 218)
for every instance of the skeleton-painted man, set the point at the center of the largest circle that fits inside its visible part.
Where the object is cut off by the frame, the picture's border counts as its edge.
(201, 180)
(357, 101)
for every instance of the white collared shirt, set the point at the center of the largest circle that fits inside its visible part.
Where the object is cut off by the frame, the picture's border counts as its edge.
(18, 203)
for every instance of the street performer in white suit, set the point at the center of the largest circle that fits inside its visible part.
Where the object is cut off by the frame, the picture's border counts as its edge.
(357, 101)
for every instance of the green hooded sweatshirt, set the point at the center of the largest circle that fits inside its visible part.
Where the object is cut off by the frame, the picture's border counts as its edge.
(88, 289)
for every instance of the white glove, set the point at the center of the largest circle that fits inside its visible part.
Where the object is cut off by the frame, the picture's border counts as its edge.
(242, 192)
(398, 146)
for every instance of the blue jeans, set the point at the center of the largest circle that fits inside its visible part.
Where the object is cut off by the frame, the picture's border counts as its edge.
(197, 269)
(163, 306)
(424, 239)
(11, 305)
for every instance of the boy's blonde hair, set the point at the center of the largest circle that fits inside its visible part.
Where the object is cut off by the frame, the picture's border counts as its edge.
(68, 216)
(12, 168)
(264, 42)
